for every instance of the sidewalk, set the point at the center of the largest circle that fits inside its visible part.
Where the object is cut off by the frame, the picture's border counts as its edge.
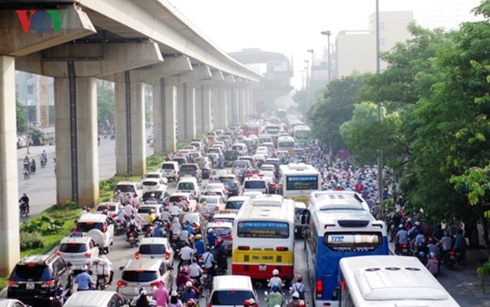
(463, 283)
(35, 152)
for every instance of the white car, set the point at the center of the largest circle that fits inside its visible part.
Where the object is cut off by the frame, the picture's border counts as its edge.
(215, 174)
(154, 184)
(129, 187)
(97, 226)
(113, 207)
(262, 152)
(150, 248)
(157, 175)
(79, 249)
(216, 186)
(144, 211)
(187, 197)
(214, 203)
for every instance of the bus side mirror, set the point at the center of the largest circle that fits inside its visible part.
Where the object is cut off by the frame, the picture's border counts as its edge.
(335, 294)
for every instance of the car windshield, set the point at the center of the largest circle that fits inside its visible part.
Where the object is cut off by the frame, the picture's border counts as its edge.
(73, 247)
(230, 297)
(222, 231)
(254, 184)
(209, 201)
(193, 218)
(150, 183)
(152, 176)
(124, 188)
(240, 164)
(31, 272)
(145, 210)
(151, 249)
(168, 166)
(87, 226)
(175, 199)
(235, 204)
(147, 195)
(102, 208)
(139, 276)
(188, 167)
(224, 220)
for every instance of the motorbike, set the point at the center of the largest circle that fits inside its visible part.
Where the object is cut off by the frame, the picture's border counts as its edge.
(43, 161)
(26, 174)
(177, 245)
(33, 169)
(149, 231)
(23, 209)
(403, 249)
(133, 239)
(102, 277)
(452, 258)
(119, 227)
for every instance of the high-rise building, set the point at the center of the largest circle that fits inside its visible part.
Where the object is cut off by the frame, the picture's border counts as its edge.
(447, 14)
(356, 50)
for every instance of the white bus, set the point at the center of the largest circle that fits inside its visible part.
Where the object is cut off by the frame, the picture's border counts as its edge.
(285, 143)
(263, 238)
(298, 181)
(324, 200)
(389, 281)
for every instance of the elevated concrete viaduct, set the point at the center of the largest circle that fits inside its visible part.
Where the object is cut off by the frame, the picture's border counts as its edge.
(130, 43)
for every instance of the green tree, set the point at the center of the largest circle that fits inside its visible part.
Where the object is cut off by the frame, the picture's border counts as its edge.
(302, 99)
(105, 103)
(21, 116)
(334, 106)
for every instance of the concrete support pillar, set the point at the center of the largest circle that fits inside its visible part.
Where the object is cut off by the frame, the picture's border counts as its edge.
(190, 112)
(9, 219)
(251, 101)
(206, 108)
(77, 153)
(180, 109)
(169, 140)
(221, 106)
(130, 127)
(158, 116)
(229, 98)
(198, 107)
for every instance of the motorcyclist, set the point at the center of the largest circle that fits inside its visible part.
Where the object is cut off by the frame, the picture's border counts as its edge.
(44, 158)
(299, 287)
(195, 271)
(157, 230)
(161, 295)
(275, 297)
(401, 237)
(432, 265)
(460, 243)
(182, 278)
(199, 246)
(33, 166)
(275, 280)
(118, 197)
(84, 280)
(133, 226)
(151, 217)
(106, 210)
(188, 293)
(176, 228)
(220, 255)
(24, 201)
(295, 300)
(204, 210)
(175, 210)
(27, 163)
(211, 238)
(85, 210)
(152, 199)
(104, 267)
(121, 213)
(186, 253)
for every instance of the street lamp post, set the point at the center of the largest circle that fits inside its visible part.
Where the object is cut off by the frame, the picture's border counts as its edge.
(327, 33)
(307, 74)
(378, 70)
(312, 89)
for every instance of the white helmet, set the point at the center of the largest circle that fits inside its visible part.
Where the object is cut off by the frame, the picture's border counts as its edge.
(295, 294)
(210, 230)
(417, 223)
(275, 272)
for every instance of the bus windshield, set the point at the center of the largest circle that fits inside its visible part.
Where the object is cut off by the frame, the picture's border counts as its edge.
(265, 230)
(272, 129)
(302, 134)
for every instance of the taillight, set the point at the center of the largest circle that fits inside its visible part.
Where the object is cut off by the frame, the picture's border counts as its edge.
(167, 256)
(104, 228)
(131, 234)
(58, 254)
(210, 305)
(12, 283)
(155, 284)
(282, 249)
(243, 248)
(75, 229)
(235, 183)
(451, 253)
(137, 255)
(272, 186)
(88, 255)
(48, 284)
(122, 284)
(319, 288)
(216, 208)
(404, 245)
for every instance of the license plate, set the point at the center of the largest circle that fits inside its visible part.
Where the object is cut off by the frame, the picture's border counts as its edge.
(262, 267)
(451, 257)
(295, 230)
(30, 286)
(405, 250)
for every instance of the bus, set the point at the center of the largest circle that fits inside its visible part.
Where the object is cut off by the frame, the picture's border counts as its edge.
(301, 134)
(389, 281)
(299, 180)
(333, 234)
(249, 129)
(274, 131)
(285, 143)
(263, 238)
(281, 114)
(327, 200)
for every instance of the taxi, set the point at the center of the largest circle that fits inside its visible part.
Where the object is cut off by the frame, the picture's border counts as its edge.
(224, 216)
(255, 183)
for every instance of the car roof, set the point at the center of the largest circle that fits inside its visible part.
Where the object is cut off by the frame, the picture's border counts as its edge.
(224, 215)
(153, 240)
(151, 179)
(84, 239)
(147, 265)
(92, 217)
(238, 198)
(92, 298)
(219, 224)
(232, 282)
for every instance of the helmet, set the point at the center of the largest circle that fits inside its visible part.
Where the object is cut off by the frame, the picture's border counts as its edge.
(132, 217)
(400, 226)
(198, 236)
(174, 293)
(275, 288)
(152, 195)
(421, 254)
(219, 241)
(204, 202)
(210, 230)
(299, 278)
(107, 207)
(152, 211)
(251, 301)
(185, 270)
(121, 207)
(191, 302)
(295, 294)
(432, 255)
(87, 209)
(275, 272)
(417, 223)
(302, 303)
(409, 220)
(188, 284)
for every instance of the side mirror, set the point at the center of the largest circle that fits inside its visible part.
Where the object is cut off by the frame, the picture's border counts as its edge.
(335, 294)
(121, 268)
(69, 264)
(171, 268)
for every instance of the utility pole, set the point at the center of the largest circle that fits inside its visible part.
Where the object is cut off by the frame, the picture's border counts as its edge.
(312, 88)
(327, 33)
(378, 71)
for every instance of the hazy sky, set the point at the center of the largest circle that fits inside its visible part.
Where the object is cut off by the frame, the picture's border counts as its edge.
(287, 26)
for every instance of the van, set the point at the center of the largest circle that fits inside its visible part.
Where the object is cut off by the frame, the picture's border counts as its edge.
(94, 298)
(265, 139)
(171, 169)
(189, 185)
(241, 148)
(231, 290)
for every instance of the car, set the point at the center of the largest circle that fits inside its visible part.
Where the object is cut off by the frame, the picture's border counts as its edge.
(214, 203)
(98, 226)
(210, 139)
(79, 249)
(216, 150)
(255, 183)
(218, 132)
(144, 211)
(189, 147)
(113, 207)
(271, 181)
(157, 175)
(150, 248)
(195, 155)
(259, 159)
(250, 159)
(261, 148)
(251, 194)
(129, 187)
(225, 138)
(240, 147)
(160, 196)
(189, 185)
(215, 174)
(224, 217)
(268, 167)
(213, 158)
(242, 165)
(195, 218)
(230, 157)
(263, 153)
(231, 183)
(214, 186)
(36, 278)
(180, 160)
(234, 203)
(12, 302)
(275, 162)
(269, 145)
(170, 169)
(192, 170)
(187, 197)
(185, 152)
(154, 184)
(218, 192)
(211, 133)
(205, 166)
(198, 145)
(223, 230)
(94, 298)
(231, 290)
(144, 273)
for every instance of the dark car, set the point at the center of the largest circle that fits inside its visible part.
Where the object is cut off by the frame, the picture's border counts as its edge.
(36, 278)
(231, 156)
(191, 169)
(231, 183)
(159, 195)
(274, 161)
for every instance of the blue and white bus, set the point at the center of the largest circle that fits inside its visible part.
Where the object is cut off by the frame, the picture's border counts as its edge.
(333, 234)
